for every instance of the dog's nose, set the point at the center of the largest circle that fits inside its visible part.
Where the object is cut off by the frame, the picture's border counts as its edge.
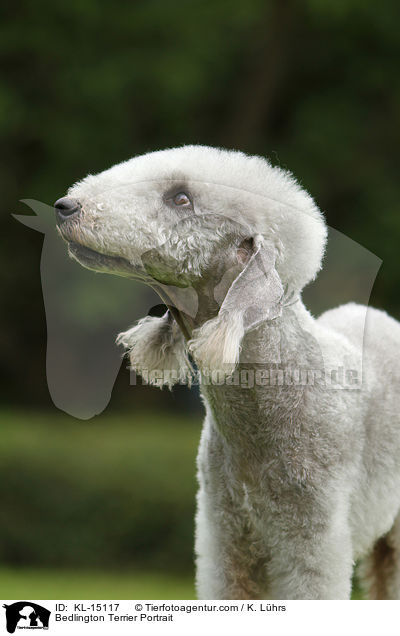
(66, 207)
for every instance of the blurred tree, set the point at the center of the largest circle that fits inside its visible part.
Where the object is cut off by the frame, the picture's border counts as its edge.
(314, 85)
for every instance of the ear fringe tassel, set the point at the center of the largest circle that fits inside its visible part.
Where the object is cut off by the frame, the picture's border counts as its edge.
(157, 344)
(216, 345)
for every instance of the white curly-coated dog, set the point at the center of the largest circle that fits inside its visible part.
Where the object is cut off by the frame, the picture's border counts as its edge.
(299, 472)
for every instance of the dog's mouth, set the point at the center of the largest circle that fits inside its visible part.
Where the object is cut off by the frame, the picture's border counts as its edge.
(98, 262)
(104, 263)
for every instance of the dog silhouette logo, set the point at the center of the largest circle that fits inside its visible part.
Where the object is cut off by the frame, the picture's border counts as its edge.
(26, 615)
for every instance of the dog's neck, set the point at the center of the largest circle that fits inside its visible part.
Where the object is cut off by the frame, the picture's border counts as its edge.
(270, 381)
(193, 306)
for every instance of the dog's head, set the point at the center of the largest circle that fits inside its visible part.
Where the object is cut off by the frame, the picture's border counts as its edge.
(220, 236)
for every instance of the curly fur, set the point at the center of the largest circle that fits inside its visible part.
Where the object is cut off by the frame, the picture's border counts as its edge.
(299, 475)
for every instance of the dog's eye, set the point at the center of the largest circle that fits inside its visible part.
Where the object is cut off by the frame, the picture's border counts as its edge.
(181, 199)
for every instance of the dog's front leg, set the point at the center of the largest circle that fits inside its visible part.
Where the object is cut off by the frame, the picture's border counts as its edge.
(228, 560)
(312, 563)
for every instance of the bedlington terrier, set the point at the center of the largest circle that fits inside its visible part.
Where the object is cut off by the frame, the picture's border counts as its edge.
(298, 476)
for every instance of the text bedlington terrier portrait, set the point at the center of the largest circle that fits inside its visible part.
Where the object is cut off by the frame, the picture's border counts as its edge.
(297, 479)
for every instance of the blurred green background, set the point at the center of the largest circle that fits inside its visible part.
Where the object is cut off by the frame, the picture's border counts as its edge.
(104, 508)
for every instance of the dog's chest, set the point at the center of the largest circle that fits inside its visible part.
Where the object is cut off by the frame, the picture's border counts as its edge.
(263, 455)
(260, 443)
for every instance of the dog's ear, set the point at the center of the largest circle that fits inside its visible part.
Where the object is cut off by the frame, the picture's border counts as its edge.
(255, 295)
(157, 351)
(257, 291)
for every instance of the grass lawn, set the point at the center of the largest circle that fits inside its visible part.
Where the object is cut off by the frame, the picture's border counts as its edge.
(81, 498)
(69, 584)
